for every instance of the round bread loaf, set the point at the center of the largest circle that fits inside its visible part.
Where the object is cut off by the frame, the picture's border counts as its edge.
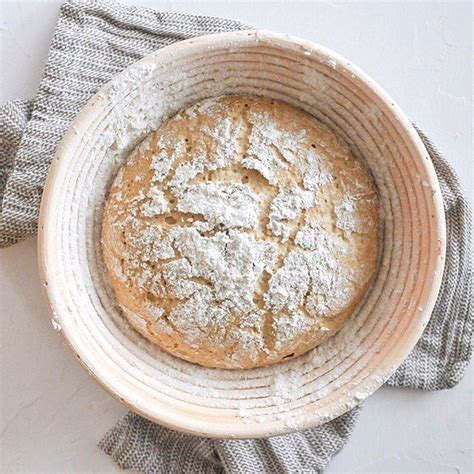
(241, 233)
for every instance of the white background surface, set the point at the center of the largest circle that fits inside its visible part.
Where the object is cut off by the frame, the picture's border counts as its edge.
(53, 414)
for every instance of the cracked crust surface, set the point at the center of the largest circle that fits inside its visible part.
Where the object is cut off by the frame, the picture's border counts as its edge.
(241, 233)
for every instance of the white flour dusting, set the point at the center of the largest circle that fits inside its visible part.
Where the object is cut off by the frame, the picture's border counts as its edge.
(189, 243)
(229, 204)
(157, 203)
(287, 206)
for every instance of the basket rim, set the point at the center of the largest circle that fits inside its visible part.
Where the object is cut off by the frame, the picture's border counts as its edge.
(162, 414)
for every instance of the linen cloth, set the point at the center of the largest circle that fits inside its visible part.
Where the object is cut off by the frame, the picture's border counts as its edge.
(93, 41)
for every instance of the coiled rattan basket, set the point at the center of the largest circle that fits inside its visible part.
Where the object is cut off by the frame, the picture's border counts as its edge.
(323, 383)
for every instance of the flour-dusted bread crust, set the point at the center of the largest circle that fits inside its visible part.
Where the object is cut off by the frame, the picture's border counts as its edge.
(241, 233)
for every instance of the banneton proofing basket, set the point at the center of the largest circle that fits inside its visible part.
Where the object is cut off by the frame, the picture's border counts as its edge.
(299, 393)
